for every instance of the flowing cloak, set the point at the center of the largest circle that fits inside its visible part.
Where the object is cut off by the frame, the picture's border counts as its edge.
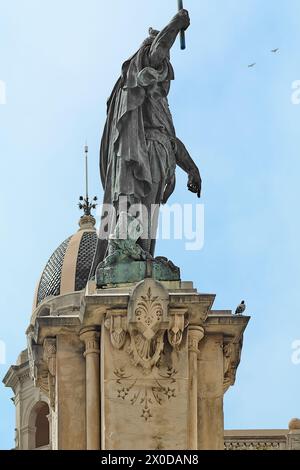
(124, 140)
(125, 165)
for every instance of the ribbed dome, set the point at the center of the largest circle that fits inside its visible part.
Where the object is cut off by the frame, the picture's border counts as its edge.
(68, 268)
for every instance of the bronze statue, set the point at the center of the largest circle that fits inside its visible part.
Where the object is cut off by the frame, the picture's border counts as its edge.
(139, 148)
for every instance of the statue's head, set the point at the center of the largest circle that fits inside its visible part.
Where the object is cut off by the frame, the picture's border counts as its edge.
(148, 41)
(152, 35)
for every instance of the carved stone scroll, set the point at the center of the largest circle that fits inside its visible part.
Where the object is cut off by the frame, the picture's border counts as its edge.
(116, 322)
(231, 360)
(50, 360)
(178, 322)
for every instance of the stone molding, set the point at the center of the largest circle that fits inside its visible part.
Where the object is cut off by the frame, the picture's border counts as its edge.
(254, 445)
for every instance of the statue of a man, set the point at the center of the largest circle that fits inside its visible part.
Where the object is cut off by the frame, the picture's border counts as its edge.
(139, 148)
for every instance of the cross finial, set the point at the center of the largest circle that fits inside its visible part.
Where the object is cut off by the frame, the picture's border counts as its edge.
(84, 202)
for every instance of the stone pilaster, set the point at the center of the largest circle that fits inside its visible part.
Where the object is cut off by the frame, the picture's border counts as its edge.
(69, 419)
(195, 335)
(210, 393)
(90, 336)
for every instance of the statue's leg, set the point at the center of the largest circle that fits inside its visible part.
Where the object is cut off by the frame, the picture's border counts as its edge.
(137, 209)
(145, 240)
(150, 219)
(154, 224)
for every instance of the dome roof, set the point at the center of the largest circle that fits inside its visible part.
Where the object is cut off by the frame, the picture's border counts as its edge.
(68, 268)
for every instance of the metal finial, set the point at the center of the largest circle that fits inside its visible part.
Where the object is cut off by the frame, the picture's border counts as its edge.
(84, 202)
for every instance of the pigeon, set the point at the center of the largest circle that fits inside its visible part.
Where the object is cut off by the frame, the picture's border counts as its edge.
(241, 308)
(251, 65)
(275, 50)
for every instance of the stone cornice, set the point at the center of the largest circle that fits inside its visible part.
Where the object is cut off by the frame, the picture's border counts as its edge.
(232, 326)
(16, 374)
(57, 306)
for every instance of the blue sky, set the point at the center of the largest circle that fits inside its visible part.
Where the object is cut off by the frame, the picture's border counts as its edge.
(59, 61)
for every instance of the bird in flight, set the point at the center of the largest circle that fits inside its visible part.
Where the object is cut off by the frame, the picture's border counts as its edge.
(251, 65)
(275, 50)
(240, 308)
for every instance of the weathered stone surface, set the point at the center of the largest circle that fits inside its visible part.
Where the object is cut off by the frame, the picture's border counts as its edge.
(70, 400)
(143, 410)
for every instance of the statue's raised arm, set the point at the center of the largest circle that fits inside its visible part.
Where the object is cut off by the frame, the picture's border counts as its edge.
(163, 42)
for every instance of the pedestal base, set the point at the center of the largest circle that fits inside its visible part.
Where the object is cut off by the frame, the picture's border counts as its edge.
(131, 271)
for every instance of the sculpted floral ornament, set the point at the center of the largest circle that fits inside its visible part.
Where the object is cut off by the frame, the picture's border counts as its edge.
(147, 341)
(147, 324)
(149, 312)
(156, 392)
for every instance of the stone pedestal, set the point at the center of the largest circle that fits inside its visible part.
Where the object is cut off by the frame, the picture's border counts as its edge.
(136, 366)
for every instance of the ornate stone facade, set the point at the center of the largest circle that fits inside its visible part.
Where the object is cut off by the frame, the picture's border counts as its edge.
(141, 366)
(130, 366)
(29, 401)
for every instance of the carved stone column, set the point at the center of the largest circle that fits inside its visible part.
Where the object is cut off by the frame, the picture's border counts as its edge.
(195, 335)
(90, 336)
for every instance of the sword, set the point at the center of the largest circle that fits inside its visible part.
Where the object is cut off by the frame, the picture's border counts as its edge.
(182, 33)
